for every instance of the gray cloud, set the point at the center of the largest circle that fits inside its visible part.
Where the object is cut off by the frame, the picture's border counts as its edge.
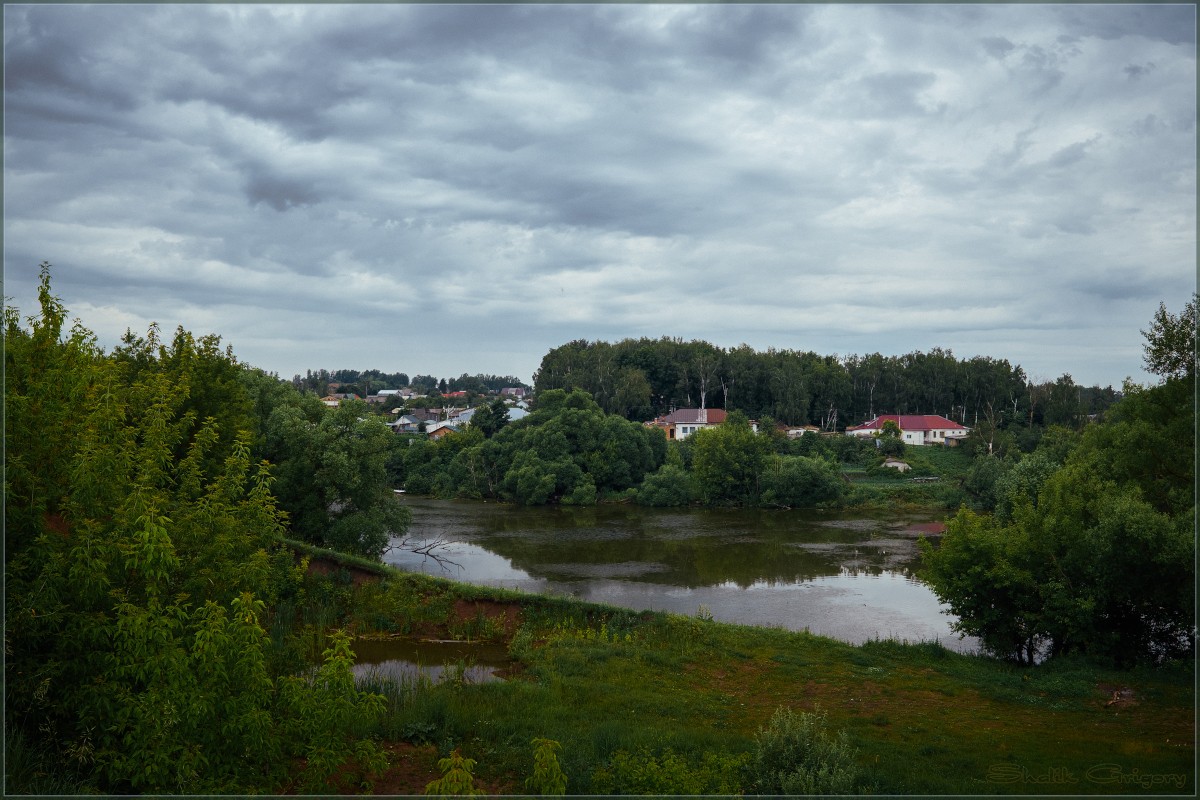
(447, 189)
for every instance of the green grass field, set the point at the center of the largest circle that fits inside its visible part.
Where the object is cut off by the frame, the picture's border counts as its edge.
(683, 697)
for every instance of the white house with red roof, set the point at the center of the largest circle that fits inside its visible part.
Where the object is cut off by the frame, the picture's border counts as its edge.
(915, 429)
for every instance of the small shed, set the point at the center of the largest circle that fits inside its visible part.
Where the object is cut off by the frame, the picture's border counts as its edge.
(896, 464)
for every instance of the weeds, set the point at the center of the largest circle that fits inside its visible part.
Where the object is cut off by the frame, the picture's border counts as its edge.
(797, 754)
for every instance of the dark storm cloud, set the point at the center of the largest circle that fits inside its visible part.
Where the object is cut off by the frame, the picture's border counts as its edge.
(997, 46)
(894, 94)
(1173, 24)
(491, 179)
(278, 192)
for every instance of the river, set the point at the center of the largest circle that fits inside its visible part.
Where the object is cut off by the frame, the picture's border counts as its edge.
(848, 576)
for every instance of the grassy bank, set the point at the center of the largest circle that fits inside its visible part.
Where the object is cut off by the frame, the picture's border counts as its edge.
(658, 702)
(934, 481)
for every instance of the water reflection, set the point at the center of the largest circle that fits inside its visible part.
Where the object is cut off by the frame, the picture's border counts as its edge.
(407, 660)
(851, 578)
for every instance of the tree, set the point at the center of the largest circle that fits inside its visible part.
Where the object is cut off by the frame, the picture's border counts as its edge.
(889, 439)
(568, 451)
(1092, 549)
(984, 572)
(727, 460)
(140, 551)
(490, 417)
(671, 485)
(332, 474)
(1170, 349)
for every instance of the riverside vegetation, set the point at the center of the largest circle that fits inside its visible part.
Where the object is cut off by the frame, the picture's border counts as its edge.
(162, 636)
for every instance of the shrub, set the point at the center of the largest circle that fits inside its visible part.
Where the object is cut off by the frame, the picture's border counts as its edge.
(456, 780)
(800, 481)
(796, 754)
(643, 772)
(548, 777)
(670, 486)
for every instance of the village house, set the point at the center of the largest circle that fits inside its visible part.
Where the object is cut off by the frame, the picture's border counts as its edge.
(915, 429)
(335, 400)
(796, 431)
(441, 429)
(683, 422)
(405, 424)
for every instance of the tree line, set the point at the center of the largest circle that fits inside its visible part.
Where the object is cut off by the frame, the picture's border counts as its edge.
(643, 378)
(370, 381)
(569, 451)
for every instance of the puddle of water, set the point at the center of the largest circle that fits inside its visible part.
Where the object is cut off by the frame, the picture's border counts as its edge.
(409, 660)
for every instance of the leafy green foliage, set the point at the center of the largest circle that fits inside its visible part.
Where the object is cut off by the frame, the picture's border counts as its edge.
(457, 779)
(1092, 547)
(331, 471)
(490, 417)
(795, 754)
(567, 451)
(984, 572)
(671, 485)
(548, 777)
(328, 717)
(143, 550)
(1170, 349)
(668, 773)
(796, 481)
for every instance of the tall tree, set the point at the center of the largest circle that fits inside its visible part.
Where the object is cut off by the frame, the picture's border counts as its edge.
(332, 476)
(1170, 349)
(727, 461)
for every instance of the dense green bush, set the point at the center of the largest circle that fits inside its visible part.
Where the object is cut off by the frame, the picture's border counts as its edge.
(672, 485)
(668, 773)
(799, 481)
(144, 553)
(795, 754)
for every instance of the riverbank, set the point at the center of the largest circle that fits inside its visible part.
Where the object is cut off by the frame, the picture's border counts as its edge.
(629, 694)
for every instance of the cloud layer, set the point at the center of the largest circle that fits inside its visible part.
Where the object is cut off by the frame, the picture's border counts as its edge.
(448, 189)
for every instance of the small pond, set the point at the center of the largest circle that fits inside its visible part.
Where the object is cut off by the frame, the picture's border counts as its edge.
(408, 660)
(849, 576)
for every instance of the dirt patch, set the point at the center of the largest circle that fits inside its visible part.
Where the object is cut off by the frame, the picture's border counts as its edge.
(507, 615)
(412, 767)
(358, 576)
(1117, 696)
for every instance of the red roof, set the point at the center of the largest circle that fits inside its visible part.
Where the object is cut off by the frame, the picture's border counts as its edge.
(909, 422)
(689, 416)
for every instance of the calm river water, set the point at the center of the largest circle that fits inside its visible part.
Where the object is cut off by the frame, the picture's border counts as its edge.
(846, 576)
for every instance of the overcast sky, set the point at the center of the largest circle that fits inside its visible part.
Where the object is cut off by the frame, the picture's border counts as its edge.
(458, 189)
